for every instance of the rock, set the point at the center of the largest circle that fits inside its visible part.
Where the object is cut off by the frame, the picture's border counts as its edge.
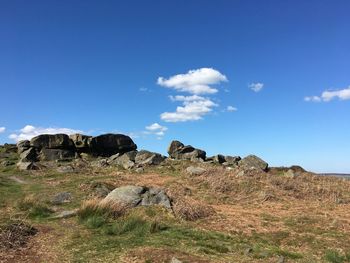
(60, 198)
(139, 170)
(65, 214)
(125, 160)
(101, 189)
(10, 148)
(27, 166)
(177, 150)
(55, 154)
(52, 141)
(22, 146)
(109, 144)
(290, 174)
(232, 160)
(253, 162)
(248, 251)
(195, 170)
(155, 196)
(281, 259)
(174, 147)
(148, 158)
(82, 142)
(7, 163)
(29, 155)
(175, 260)
(133, 196)
(128, 195)
(219, 158)
(100, 163)
(65, 169)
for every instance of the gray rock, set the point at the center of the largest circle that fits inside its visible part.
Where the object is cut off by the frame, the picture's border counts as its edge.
(27, 166)
(65, 214)
(148, 158)
(219, 158)
(139, 170)
(60, 198)
(133, 196)
(195, 170)
(125, 160)
(253, 162)
(177, 150)
(129, 195)
(65, 169)
(82, 142)
(55, 154)
(232, 160)
(22, 146)
(52, 141)
(281, 259)
(109, 144)
(100, 163)
(290, 174)
(7, 163)
(175, 260)
(29, 155)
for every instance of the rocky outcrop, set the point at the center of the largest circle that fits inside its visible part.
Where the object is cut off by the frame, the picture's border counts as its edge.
(132, 196)
(81, 142)
(29, 155)
(109, 144)
(253, 162)
(178, 150)
(23, 146)
(56, 154)
(52, 141)
(144, 157)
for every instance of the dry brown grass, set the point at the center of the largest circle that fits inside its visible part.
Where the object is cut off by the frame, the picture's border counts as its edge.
(189, 209)
(15, 235)
(98, 207)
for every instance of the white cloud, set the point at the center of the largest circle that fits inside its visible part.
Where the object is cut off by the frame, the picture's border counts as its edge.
(190, 111)
(231, 108)
(312, 98)
(186, 98)
(2, 129)
(156, 129)
(328, 95)
(195, 81)
(29, 131)
(256, 86)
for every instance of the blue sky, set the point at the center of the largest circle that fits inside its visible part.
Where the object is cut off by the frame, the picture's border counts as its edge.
(234, 77)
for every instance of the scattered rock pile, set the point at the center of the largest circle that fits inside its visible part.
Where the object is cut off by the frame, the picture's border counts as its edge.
(178, 150)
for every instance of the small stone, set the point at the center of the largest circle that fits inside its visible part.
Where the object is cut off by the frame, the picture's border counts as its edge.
(281, 259)
(248, 251)
(60, 198)
(195, 170)
(139, 170)
(65, 214)
(175, 260)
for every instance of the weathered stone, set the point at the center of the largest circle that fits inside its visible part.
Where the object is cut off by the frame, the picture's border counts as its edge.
(125, 160)
(55, 154)
(65, 169)
(128, 195)
(232, 160)
(219, 158)
(23, 146)
(60, 198)
(155, 196)
(82, 142)
(52, 141)
(27, 166)
(109, 144)
(195, 170)
(148, 158)
(253, 162)
(174, 147)
(175, 260)
(29, 155)
(100, 163)
(132, 196)
(290, 174)
(65, 214)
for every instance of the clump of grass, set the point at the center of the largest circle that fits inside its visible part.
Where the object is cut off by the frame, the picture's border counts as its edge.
(34, 207)
(96, 208)
(189, 209)
(334, 256)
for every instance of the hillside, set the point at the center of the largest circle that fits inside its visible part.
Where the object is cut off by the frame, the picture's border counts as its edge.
(99, 199)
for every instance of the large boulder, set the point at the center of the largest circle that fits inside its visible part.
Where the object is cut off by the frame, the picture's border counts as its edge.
(192, 170)
(133, 196)
(109, 144)
(126, 160)
(29, 155)
(52, 141)
(253, 162)
(232, 160)
(178, 150)
(27, 166)
(55, 154)
(22, 146)
(82, 142)
(144, 157)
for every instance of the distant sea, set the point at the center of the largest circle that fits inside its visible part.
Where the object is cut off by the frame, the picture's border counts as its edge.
(347, 176)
